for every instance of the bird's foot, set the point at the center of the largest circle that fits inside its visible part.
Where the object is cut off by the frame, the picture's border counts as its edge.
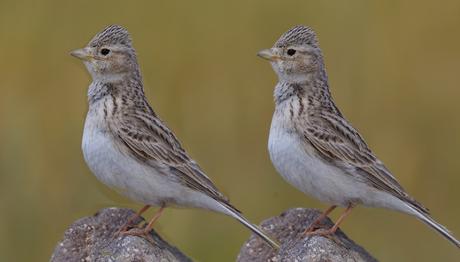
(139, 232)
(320, 232)
(312, 228)
(126, 227)
(327, 233)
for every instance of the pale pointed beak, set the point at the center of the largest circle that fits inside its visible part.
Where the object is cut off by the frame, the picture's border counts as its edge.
(83, 54)
(269, 55)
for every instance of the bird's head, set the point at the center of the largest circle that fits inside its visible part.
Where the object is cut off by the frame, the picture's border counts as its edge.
(295, 55)
(109, 55)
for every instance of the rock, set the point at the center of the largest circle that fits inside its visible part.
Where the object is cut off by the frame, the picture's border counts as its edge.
(288, 228)
(94, 239)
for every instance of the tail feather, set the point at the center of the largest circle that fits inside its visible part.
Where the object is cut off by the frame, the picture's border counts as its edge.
(236, 214)
(425, 218)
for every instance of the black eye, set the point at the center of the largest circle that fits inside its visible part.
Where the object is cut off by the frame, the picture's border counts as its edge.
(105, 51)
(291, 52)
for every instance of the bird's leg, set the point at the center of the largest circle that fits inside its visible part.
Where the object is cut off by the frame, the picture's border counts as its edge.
(154, 219)
(336, 225)
(145, 231)
(132, 218)
(313, 225)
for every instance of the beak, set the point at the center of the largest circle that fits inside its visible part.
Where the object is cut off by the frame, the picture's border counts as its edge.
(83, 54)
(269, 55)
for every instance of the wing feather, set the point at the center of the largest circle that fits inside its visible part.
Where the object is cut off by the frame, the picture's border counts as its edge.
(339, 143)
(151, 142)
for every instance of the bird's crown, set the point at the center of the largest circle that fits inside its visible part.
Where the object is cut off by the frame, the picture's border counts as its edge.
(111, 35)
(298, 35)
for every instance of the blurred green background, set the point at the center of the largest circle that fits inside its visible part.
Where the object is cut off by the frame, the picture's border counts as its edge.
(393, 69)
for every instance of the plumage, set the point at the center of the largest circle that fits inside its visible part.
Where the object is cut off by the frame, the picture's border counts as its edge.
(113, 35)
(128, 147)
(315, 148)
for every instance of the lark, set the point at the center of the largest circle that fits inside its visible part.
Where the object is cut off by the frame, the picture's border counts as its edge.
(129, 148)
(314, 147)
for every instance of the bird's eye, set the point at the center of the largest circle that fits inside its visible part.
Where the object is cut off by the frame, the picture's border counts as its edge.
(291, 52)
(105, 51)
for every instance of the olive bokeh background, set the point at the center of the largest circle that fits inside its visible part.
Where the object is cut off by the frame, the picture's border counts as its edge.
(393, 68)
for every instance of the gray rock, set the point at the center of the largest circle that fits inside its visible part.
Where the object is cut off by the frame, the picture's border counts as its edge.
(288, 228)
(95, 239)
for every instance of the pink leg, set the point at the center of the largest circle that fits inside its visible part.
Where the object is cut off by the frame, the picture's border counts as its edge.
(132, 218)
(145, 231)
(313, 225)
(336, 225)
(154, 219)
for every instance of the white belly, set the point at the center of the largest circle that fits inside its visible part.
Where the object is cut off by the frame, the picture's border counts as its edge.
(302, 170)
(133, 179)
(325, 182)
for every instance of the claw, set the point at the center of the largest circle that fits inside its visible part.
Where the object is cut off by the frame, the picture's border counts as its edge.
(331, 231)
(311, 228)
(128, 224)
(139, 232)
(314, 225)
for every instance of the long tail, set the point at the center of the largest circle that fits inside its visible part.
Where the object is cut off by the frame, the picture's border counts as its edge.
(425, 218)
(234, 213)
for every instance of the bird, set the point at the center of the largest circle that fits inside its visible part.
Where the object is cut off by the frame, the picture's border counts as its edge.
(129, 148)
(316, 150)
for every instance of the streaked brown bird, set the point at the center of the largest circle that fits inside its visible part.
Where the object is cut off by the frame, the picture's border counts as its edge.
(129, 148)
(315, 148)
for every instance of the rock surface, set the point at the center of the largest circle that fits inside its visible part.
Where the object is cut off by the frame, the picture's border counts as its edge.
(94, 239)
(288, 228)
